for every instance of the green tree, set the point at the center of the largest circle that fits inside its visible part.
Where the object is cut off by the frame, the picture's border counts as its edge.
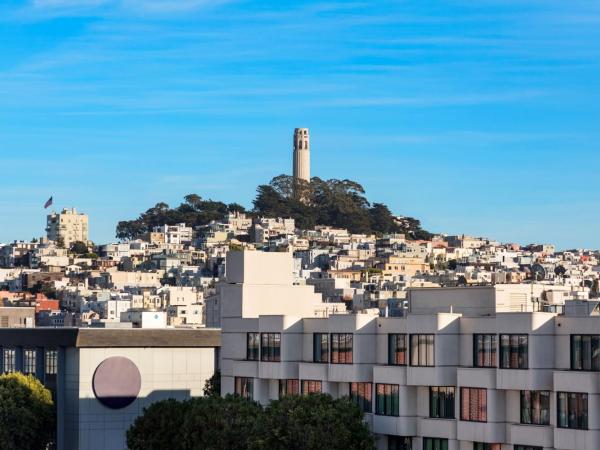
(312, 422)
(27, 414)
(205, 423)
(159, 426)
(79, 247)
(212, 386)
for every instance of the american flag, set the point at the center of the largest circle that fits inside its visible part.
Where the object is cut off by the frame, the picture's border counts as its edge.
(48, 203)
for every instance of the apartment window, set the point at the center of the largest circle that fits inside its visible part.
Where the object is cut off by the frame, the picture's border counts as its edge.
(320, 347)
(514, 352)
(9, 359)
(535, 407)
(312, 387)
(360, 393)
(572, 410)
(270, 347)
(484, 350)
(289, 387)
(585, 352)
(485, 446)
(473, 404)
(244, 387)
(341, 348)
(441, 402)
(387, 400)
(527, 447)
(51, 362)
(435, 444)
(399, 443)
(397, 349)
(421, 350)
(29, 361)
(252, 346)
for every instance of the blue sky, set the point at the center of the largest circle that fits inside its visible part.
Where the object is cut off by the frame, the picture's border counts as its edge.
(476, 117)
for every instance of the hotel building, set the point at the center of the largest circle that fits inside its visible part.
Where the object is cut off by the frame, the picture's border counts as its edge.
(465, 368)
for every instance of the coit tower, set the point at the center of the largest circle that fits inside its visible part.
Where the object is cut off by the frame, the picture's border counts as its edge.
(301, 154)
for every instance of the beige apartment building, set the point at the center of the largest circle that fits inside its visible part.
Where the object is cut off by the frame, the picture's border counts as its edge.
(69, 225)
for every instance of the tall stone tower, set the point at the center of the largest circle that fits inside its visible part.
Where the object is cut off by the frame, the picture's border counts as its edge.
(301, 154)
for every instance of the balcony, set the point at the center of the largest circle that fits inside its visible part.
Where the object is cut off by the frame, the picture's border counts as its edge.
(576, 439)
(483, 377)
(441, 428)
(524, 379)
(481, 431)
(431, 376)
(576, 381)
(399, 426)
(534, 435)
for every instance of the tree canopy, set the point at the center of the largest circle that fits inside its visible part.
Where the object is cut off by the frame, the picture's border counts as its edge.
(210, 423)
(193, 211)
(27, 414)
(310, 422)
(337, 203)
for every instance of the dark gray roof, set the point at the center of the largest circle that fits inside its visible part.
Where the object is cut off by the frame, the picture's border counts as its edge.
(101, 337)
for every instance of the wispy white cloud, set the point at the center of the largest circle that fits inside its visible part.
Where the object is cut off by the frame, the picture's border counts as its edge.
(76, 7)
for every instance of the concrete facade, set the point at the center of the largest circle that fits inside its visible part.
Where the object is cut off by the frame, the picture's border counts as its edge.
(69, 225)
(528, 353)
(172, 363)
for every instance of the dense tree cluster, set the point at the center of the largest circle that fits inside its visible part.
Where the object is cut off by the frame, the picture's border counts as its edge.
(194, 211)
(312, 422)
(27, 414)
(337, 203)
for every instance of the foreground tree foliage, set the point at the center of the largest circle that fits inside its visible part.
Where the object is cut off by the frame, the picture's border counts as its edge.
(27, 415)
(337, 203)
(312, 422)
(316, 421)
(210, 423)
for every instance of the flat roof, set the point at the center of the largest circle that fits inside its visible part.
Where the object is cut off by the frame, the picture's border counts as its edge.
(102, 337)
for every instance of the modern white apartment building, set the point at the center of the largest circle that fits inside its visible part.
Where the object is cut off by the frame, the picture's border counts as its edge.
(69, 225)
(175, 234)
(474, 378)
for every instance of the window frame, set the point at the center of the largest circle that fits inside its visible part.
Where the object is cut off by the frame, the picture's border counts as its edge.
(522, 363)
(436, 443)
(417, 359)
(305, 387)
(341, 347)
(531, 409)
(467, 401)
(385, 404)
(397, 353)
(594, 359)
(493, 351)
(289, 386)
(270, 347)
(253, 346)
(321, 348)
(442, 399)
(583, 416)
(244, 387)
(361, 394)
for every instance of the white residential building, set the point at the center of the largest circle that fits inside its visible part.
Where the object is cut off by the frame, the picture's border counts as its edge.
(175, 234)
(483, 376)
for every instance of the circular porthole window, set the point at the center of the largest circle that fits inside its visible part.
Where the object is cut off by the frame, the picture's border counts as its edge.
(116, 382)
